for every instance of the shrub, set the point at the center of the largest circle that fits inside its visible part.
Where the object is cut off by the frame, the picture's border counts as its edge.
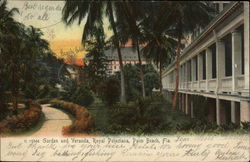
(143, 116)
(23, 121)
(109, 91)
(83, 120)
(43, 100)
(150, 115)
(3, 111)
(246, 125)
(82, 96)
(79, 94)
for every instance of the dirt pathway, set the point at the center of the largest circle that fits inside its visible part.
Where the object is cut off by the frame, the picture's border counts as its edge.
(55, 120)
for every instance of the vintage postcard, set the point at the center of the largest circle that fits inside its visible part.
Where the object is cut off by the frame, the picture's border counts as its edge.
(86, 80)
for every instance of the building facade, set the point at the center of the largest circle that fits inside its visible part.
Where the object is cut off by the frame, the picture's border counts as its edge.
(129, 56)
(215, 68)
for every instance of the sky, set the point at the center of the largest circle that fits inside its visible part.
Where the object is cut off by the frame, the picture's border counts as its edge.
(47, 15)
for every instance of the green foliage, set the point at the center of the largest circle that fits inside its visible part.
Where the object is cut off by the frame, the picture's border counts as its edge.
(142, 117)
(108, 90)
(29, 68)
(151, 79)
(95, 68)
(82, 96)
(77, 93)
(46, 77)
(246, 125)
(133, 83)
(43, 100)
(152, 116)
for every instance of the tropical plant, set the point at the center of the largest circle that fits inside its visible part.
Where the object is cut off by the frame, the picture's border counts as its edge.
(20, 48)
(7, 26)
(95, 68)
(160, 43)
(108, 90)
(129, 29)
(7, 22)
(184, 17)
(78, 10)
(133, 84)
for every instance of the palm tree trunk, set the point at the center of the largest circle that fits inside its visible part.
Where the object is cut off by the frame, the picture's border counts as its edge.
(117, 45)
(160, 76)
(14, 92)
(123, 96)
(141, 71)
(175, 99)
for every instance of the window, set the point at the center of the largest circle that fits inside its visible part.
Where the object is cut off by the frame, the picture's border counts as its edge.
(241, 29)
(204, 65)
(196, 68)
(190, 70)
(213, 49)
(224, 5)
(228, 54)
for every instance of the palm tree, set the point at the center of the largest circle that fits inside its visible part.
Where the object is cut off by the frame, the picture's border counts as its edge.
(160, 50)
(95, 69)
(20, 48)
(7, 23)
(129, 28)
(21, 51)
(184, 17)
(160, 42)
(9, 28)
(5, 14)
(93, 11)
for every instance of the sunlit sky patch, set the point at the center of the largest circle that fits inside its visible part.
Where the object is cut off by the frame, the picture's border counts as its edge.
(47, 15)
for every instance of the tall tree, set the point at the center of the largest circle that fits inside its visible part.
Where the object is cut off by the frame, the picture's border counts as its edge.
(96, 62)
(93, 11)
(159, 39)
(161, 52)
(19, 50)
(20, 55)
(7, 23)
(129, 29)
(9, 28)
(184, 17)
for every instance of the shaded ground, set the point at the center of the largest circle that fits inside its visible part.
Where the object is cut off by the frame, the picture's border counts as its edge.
(100, 114)
(55, 120)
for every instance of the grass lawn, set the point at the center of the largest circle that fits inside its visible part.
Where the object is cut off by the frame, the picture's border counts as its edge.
(100, 115)
(126, 121)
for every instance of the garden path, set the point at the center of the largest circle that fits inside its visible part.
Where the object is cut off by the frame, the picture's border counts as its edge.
(55, 120)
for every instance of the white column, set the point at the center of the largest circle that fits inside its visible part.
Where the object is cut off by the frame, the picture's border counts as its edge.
(220, 7)
(185, 75)
(209, 66)
(200, 69)
(233, 120)
(246, 90)
(193, 71)
(220, 62)
(236, 59)
(244, 111)
(186, 106)
(218, 112)
(174, 74)
(180, 77)
(188, 73)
